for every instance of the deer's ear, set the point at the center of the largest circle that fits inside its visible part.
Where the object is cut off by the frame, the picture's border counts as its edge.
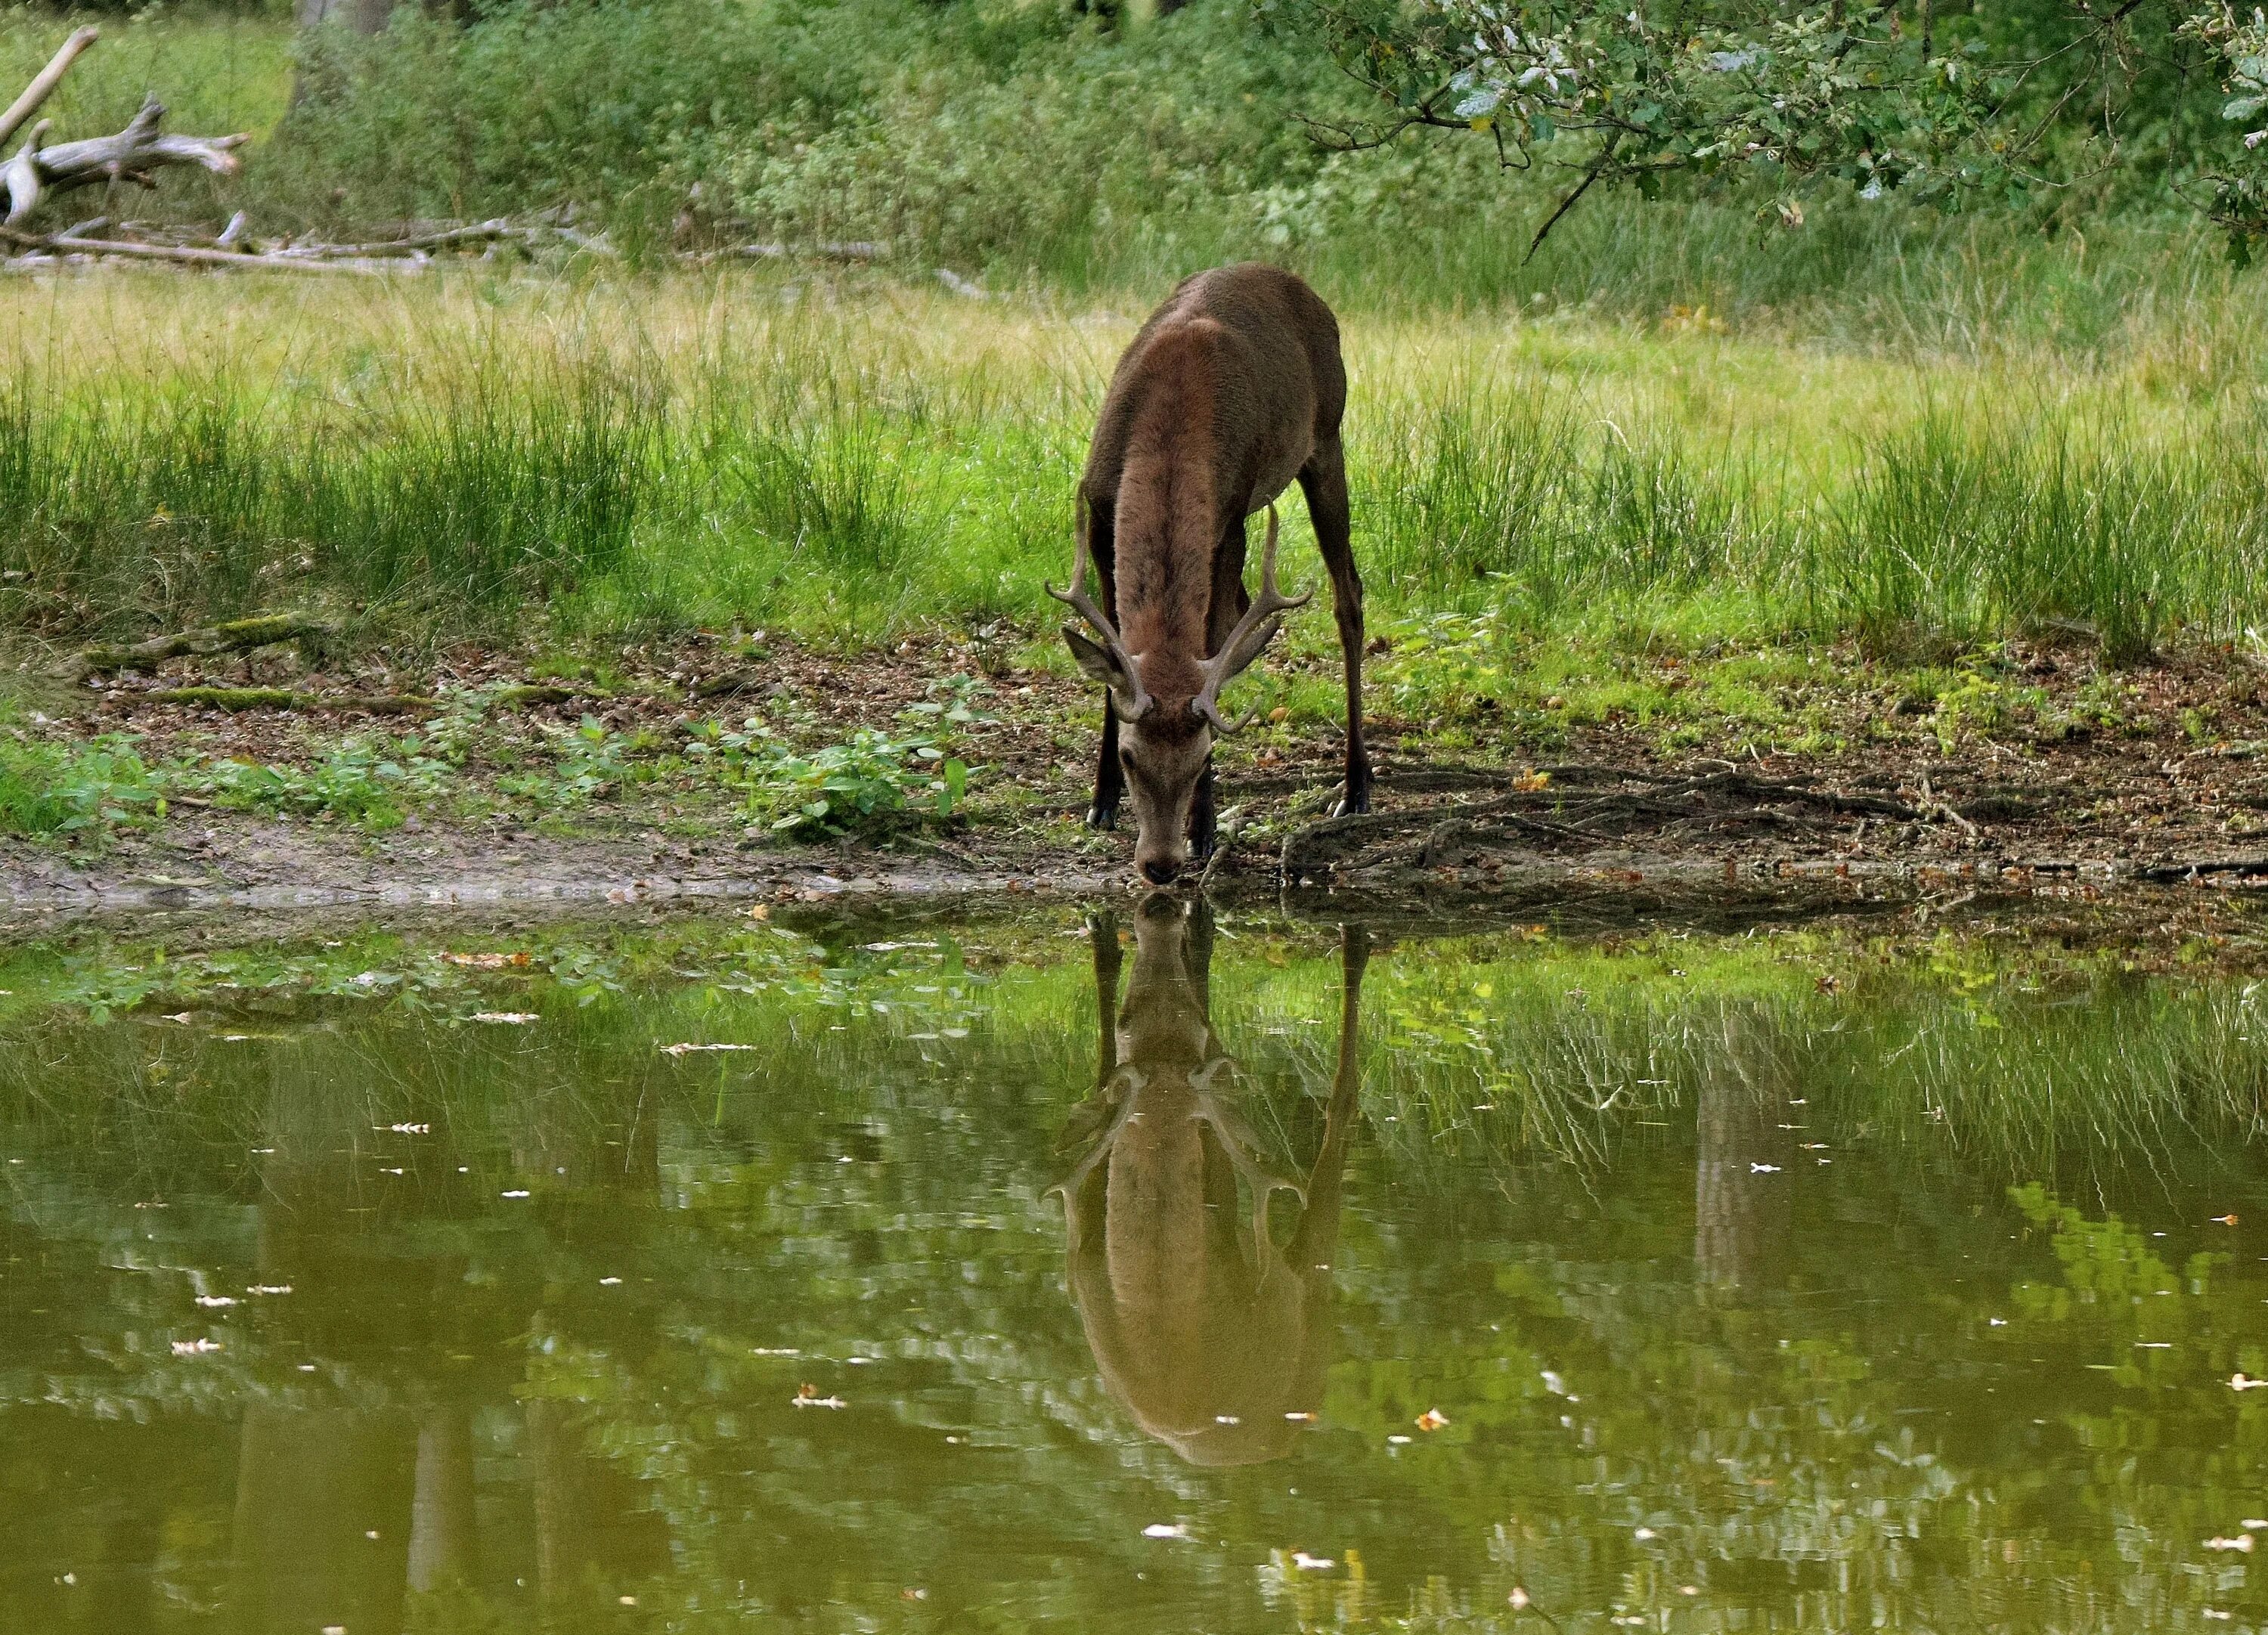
(1095, 659)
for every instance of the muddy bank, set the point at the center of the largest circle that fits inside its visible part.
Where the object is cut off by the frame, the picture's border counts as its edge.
(1887, 804)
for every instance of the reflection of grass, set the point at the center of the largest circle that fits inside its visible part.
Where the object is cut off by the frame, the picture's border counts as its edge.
(1517, 1046)
(870, 1181)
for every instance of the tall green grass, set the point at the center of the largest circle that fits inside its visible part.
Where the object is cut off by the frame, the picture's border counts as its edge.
(494, 454)
(1964, 528)
(479, 495)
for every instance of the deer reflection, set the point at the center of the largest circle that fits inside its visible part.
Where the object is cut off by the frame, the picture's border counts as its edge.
(1208, 1321)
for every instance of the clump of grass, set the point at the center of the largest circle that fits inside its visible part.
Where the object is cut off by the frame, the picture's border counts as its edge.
(1965, 528)
(464, 495)
(1513, 499)
(836, 490)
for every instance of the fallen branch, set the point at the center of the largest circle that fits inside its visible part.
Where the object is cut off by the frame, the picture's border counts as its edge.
(45, 81)
(237, 635)
(412, 244)
(529, 696)
(239, 698)
(36, 173)
(190, 254)
(854, 250)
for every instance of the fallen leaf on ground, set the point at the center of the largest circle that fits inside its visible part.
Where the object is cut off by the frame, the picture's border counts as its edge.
(488, 961)
(1431, 1420)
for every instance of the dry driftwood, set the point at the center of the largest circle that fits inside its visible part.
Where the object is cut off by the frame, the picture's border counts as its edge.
(192, 254)
(236, 636)
(45, 81)
(36, 173)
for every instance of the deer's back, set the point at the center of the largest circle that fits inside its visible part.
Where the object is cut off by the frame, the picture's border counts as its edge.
(1239, 372)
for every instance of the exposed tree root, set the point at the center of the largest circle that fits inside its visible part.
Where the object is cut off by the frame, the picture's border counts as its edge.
(1574, 808)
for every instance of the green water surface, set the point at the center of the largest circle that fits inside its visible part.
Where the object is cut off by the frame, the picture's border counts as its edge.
(1129, 1273)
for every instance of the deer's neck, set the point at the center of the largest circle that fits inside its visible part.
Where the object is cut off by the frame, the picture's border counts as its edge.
(1167, 524)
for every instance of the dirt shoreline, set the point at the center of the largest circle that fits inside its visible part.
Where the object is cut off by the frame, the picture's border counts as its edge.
(1469, 813)
(306, 873)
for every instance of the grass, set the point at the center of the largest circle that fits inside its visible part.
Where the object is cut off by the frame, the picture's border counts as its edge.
(854, 460)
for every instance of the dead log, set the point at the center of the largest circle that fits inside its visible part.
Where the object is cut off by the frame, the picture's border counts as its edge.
(45, 81)
(36, 173)
(239, 698)
(413, 244)
(197, 256)
(236, 636)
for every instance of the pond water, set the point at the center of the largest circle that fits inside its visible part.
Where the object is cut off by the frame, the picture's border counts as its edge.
(1139, 1273)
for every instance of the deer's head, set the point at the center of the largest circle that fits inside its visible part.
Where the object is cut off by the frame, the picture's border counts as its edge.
(1168, 703)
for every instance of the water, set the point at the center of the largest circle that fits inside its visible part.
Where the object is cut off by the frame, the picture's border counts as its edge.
(1802, 1281)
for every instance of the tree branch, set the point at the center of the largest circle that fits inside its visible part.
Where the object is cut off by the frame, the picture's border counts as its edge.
(1598, 168)
(45, 81)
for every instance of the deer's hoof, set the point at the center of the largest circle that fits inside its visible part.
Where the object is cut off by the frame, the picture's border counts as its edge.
(1102, 819)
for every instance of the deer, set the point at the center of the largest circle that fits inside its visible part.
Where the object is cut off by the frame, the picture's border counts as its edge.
(1230, 390)
(1211, 1328)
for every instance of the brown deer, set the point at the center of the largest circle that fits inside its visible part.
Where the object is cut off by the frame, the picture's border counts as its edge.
(1233, 388)
(1212, 1332)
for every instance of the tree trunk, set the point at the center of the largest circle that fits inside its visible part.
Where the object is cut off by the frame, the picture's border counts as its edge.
(363, 17)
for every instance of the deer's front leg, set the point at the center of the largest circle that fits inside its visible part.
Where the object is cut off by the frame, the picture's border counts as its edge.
(1202, 821)
(1110, 772)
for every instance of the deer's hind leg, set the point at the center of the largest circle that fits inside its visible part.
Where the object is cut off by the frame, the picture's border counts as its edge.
(1324, 480)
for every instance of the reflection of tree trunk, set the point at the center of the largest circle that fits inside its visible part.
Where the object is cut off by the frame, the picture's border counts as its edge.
(591, 1533)
(553, 1462)
(320, 1537)
(441, 1513)
(1740, 1213)
(118, 1591)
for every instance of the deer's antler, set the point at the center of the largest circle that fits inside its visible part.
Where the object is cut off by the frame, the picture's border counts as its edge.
(1249, 640)
(1126, 678)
